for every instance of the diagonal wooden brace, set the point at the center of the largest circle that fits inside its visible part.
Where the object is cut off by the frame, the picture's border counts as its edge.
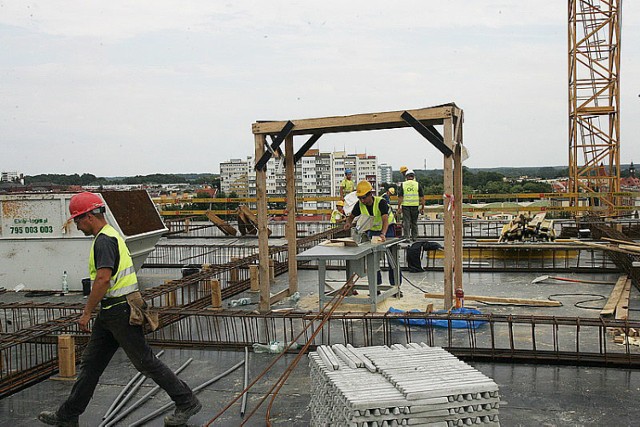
(286, 130)
(429, 132)
(306, 146)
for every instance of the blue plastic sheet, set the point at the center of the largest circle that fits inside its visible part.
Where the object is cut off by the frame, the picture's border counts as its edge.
(443, 323)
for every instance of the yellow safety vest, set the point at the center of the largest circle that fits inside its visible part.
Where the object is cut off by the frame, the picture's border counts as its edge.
(336, 216)
(410, 194)
(377, 215)
(124, 280)
(348, 186)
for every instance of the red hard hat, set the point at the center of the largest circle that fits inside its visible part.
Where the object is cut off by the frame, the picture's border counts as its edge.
(82, 203)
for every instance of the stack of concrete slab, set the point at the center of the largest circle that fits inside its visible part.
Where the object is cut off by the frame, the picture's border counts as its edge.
(414, 385)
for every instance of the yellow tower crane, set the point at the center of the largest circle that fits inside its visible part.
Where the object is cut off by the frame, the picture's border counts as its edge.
(594, 101)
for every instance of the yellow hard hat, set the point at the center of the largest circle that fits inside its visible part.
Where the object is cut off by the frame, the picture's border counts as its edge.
(403, 169)
(363, 188)
(339, 203)
(392, 191)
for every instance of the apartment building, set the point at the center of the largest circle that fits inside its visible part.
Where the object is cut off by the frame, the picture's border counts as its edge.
(386, 173)
(316, 174)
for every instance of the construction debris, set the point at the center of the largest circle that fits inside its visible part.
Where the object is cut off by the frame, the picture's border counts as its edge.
(524, 228)
(398, 385)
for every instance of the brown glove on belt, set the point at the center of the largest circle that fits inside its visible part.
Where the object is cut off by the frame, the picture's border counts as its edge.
(140, 312)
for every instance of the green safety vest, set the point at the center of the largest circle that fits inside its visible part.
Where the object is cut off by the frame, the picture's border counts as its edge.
(124, 280)
(411, 196)
(377, 215)
(348, 185)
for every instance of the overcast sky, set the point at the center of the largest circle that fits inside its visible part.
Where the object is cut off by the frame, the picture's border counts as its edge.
(124, 88)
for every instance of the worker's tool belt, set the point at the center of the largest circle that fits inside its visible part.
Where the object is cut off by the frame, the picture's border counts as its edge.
(106, 303)
(140, 311)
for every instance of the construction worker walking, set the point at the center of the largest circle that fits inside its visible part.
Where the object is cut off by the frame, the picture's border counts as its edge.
(119, 322)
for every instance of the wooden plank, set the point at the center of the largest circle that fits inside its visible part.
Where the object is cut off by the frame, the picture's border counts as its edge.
(246, 215)
(624, 242)
(631, 248)
(610, 307)
(358, 122)
(606, 247)
(524, 301)
(622, 309)
(223, 225)
(279, 296)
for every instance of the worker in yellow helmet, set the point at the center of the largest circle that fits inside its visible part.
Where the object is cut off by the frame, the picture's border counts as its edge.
(378, 208)
(338, 213)
(403, 170)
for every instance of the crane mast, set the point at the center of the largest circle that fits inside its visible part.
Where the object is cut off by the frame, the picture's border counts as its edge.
(594, 101)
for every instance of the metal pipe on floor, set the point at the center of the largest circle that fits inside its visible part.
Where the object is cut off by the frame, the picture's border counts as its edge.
(124, 391)
(243, 405)
(195, 390)
(144, 398)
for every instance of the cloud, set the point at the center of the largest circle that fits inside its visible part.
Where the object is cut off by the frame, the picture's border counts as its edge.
(121, 88)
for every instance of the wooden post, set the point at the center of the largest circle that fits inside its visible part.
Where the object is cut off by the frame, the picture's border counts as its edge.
(291, 231)
(216, 294)
(234, 274)
(458, 229)
(448, 219)
(254, 274)
(264, 304)
(170, 297)
(272, 272)
(66, 356)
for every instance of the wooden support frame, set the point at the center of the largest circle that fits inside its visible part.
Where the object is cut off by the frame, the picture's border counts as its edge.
(450, 144)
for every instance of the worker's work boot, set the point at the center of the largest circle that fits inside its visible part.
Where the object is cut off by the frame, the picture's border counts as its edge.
(182, 415)
(52, 418)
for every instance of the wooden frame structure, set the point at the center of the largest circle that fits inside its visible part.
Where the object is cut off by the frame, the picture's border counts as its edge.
(422, 120)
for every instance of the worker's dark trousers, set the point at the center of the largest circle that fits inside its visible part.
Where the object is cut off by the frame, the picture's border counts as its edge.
(391, 232)
(410, 222)
(110, 331)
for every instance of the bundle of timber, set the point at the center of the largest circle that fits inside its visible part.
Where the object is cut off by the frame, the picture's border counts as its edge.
(524, 228)
(401, 385)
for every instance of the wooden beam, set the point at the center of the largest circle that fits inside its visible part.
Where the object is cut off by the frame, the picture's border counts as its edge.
(264, 304)
(223, 225)
(430, 133)
(291, 230)
(458, 226)
(358, 122)
(622, 309)
(449, 253)
(522, 301)
(266, 155)
(279, 296)
(305, 147)
(610, 307)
